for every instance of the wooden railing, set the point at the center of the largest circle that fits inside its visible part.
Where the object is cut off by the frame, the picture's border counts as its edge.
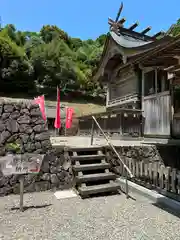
(123, 122)
(153, 175)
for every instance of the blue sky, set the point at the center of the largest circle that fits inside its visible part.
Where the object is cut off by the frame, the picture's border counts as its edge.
(88, 19)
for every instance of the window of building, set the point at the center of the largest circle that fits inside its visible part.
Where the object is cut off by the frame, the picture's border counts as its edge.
(155, 81)
(149, 83)
(162, 81)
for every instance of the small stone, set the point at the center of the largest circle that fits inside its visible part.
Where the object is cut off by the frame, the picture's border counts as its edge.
(4, 181)
(46, 144)
(5, 190)
(32, 137)
(35, 112)
(46, 177)
(14, 179)
(8, 108)
(37, 120)
(2, 126)
(38, 145)
(13, 138)
(42, 186)
(42, 136)
(24, 111)
(39, 128)
(38, 151)
(1, 110)
(29, 147)
(54, 179)
(24, 128)
(17, 106)
(15, 115)
(53, 169)
(24, 138)
(2, 151)
(62, 175)
(4, 136)
(12, 126)
(5, 116)
(25, 119)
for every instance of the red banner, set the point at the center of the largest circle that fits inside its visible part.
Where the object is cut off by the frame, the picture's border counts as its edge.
(41, 102)
(57, 122)
(69, 114)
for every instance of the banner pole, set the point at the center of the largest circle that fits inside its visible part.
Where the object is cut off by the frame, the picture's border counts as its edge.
(65, 124)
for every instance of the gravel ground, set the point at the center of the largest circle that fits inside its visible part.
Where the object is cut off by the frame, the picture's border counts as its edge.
(102, 218)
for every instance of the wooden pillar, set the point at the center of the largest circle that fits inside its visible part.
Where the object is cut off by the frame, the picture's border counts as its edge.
(142, 104)
(171, 107)
(121, 122)
(107, 94)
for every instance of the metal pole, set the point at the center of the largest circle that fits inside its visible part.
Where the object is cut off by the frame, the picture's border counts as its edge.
(110, 144)
(92, 132)
(21, 180)
(65, 130)
(127, 187)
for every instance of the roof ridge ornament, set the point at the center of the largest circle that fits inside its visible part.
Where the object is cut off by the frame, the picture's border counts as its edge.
(117, 26)
(119, 12)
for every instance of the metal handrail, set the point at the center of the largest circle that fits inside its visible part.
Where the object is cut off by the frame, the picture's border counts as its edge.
(113, 148)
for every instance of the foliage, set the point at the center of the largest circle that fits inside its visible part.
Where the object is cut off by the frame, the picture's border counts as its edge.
(174, 29)
(33, 62)
(13, 147)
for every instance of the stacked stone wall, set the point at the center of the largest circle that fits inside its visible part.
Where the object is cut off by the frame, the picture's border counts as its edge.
(21, 124)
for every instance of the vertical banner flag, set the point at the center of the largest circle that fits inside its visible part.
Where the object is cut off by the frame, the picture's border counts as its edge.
(69, 115)
(41, 102)
(57, 122)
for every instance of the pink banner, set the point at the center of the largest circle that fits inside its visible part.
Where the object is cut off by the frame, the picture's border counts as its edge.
(69, 115)
(41, 102)
(57, 122)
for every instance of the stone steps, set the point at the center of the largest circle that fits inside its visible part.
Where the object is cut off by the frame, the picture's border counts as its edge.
(95, 166)
(101, 188)
(95, 177)
(88, 157)
(92, 172)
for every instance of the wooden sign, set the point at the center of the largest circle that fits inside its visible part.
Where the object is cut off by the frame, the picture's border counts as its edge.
(21, 164)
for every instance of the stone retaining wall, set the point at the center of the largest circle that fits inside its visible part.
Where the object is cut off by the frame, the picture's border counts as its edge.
(21, 123)
(163, 154)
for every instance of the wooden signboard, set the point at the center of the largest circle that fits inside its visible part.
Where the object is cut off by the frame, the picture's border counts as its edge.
(21, 165)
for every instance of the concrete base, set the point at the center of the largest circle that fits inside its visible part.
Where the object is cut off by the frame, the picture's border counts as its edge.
(153, 195)
(65, 194)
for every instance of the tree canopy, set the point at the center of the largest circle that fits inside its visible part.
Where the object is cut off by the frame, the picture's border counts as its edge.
(36, 62)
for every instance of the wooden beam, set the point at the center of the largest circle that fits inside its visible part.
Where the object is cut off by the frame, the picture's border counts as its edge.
(170, 55)
(133, 26)
(158, 34)
(119, 12)
(177, 70)
(172, 68)
(110, 21)
(146, 30)
(121, 21)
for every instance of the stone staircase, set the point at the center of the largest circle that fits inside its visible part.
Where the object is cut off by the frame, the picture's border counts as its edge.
(92, 172)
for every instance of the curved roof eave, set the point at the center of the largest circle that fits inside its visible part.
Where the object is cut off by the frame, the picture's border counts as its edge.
(137, 44)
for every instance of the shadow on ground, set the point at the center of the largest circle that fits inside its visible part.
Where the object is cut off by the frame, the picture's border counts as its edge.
(164, 207)
(32, 207)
